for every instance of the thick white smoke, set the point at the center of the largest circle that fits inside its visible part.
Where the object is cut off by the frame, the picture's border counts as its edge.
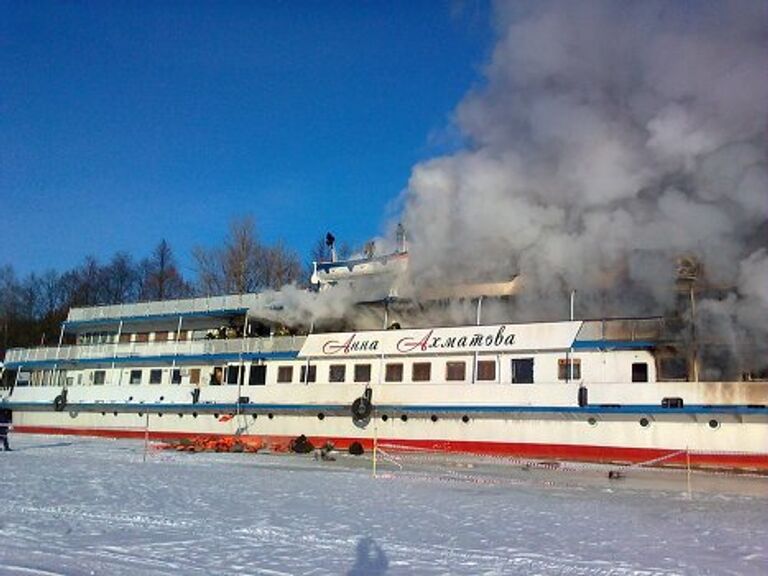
(609, 139)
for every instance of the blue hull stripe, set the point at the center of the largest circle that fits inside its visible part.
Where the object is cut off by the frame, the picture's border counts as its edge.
(637, 409)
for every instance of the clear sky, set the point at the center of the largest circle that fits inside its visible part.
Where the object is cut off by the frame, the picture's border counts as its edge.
(121, 124)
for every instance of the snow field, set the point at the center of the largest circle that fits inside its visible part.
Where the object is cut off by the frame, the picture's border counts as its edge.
(77, 506)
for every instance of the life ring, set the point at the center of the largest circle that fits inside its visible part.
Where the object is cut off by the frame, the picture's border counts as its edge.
(361, 408)
(60, 402)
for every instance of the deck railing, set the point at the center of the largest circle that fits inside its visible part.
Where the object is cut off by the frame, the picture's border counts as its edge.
(614, 329)
(151, 349)
(169, 307)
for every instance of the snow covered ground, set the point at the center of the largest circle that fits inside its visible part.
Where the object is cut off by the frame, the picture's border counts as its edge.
(92, 506)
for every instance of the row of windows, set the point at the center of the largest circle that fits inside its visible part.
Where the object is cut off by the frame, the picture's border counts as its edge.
(127, 337)
(521, 373)
(136, 376)
(393, 372)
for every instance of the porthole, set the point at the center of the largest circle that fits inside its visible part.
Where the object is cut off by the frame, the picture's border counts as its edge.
(115, 413)
(181, 415)
(216, 416)
(162, 398)
(159, 414)
(592, 421)
(194, 414)
(270, 416)
(103, 413)
(404, 417)
(321, 416)
(139, 414)
(384, 417)
(73, 414)
(465, 419)
(644, 422)
(254, 416)
(714, 424)
(433, 418)
(130, 398)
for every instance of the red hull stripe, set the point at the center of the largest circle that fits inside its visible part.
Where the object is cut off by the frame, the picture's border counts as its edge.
(572, 452)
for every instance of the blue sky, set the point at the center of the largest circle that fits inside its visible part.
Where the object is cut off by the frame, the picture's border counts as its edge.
(121, 124)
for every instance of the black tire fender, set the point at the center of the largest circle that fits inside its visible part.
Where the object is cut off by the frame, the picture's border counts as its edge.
(361, 408)
(60, 402)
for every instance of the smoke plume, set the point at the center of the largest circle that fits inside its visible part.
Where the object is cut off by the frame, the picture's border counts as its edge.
(608, 140)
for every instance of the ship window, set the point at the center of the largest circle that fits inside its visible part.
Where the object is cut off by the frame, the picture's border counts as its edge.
(99, 376)
(486, 370)
(285, 374)
(337, 372)
(421, 371)
(522, 371)
(362, 372)
(155, 376)
(258, 375)
(175, 376)
(216, 376)
(194, 376)
(568, 369)
(639, 372)
(309, 375)
(135, 377)
(455, 371)
(125, 338)
(142, 337)
(233, 374)
(673, 368)
(161, 336)
(394, 373)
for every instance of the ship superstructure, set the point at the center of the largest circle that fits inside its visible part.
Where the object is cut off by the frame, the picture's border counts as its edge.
(619, 389)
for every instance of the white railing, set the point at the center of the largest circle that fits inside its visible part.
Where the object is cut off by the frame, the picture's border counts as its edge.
(148, 349)
(171, 307)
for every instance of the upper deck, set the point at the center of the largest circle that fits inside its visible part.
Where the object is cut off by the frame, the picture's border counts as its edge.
(592, 334)
(218, 306)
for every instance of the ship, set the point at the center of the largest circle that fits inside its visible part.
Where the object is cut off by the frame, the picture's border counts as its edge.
(610, 390)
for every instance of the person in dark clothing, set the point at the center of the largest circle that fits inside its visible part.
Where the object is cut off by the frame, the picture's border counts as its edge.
(5, 422)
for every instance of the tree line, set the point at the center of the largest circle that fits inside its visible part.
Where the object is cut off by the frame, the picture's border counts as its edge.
(32, 308)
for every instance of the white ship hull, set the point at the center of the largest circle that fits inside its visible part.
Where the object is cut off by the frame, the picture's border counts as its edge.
(489, 419)
(577, 390)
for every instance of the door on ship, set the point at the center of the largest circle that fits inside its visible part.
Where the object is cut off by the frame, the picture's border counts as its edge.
(257, 375)
(522, 371)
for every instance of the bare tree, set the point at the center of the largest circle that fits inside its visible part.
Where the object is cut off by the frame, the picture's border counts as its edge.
(279, 266)
(237, 267)
(121, 279)
(243, 255)
(83, 285)
(31, 297)
(161, 279)
(9, 305)
(210, 274)
(52, 293)
(244, 264)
